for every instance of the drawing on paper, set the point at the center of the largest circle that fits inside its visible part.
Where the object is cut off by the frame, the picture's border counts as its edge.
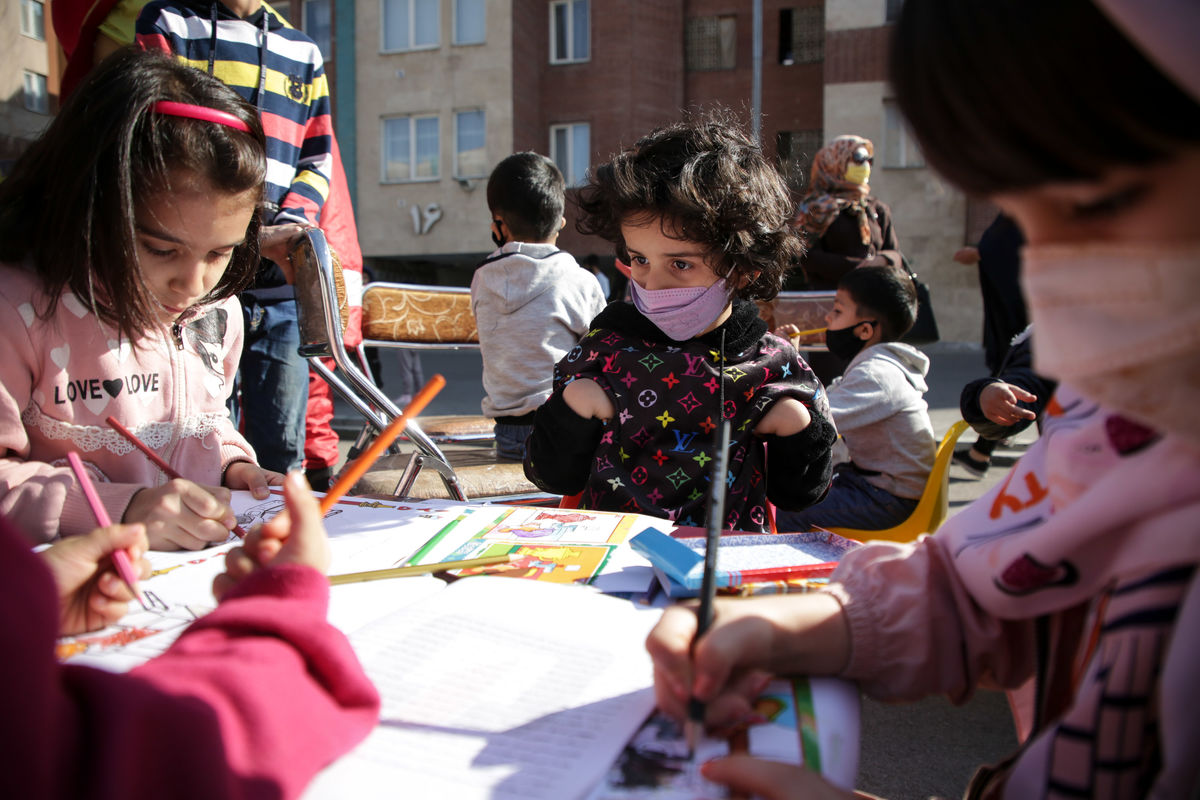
(554, 563)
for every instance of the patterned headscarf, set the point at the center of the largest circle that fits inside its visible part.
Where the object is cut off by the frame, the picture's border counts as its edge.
(830, 193)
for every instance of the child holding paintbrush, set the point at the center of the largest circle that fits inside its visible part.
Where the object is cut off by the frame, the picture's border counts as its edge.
(125, 232)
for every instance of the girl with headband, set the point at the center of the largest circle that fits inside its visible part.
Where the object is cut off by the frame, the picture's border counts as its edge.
(125, 232)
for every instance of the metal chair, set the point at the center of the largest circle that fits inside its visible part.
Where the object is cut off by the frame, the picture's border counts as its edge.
(321, 329)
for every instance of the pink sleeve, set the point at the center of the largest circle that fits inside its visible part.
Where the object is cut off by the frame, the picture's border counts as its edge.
(915, 631)
(250, 702)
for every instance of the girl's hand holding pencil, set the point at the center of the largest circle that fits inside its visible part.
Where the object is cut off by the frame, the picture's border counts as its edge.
(91, 595)
(182, 515)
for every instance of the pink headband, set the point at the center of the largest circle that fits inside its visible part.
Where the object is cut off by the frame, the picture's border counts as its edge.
(204, 113)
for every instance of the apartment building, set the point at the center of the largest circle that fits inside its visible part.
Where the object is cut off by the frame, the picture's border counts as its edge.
(28, 75)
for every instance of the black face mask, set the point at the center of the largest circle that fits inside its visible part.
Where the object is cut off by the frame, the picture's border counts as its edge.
(843, 343)
(499, 239)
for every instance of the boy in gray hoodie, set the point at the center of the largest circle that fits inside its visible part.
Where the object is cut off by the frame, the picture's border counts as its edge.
(531, 300)
(877, 405)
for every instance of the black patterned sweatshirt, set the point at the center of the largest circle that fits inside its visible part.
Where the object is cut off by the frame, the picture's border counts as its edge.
(652, 457)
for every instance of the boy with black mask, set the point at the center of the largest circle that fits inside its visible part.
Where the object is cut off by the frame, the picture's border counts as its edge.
(877, 405)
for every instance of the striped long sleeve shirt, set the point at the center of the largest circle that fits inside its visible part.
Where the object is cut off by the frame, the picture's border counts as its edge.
(275, 67)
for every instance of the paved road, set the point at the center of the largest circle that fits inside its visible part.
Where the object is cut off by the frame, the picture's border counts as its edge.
(915, 750)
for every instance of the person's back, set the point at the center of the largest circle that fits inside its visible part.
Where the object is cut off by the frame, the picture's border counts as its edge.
(531, 300)
(878, 406)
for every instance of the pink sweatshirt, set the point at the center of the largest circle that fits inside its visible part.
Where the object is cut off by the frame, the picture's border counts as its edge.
(1092, 544)
(60, 377)
(251, 702)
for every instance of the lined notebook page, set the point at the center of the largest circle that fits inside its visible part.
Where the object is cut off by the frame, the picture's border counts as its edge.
(498, 688)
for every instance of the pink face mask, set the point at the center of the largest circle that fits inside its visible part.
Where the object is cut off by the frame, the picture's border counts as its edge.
(681, 313)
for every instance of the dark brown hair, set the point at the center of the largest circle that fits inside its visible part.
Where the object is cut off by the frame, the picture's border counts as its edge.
(886, 293)
(709, 183)
(68, 207)
(527, 188)
(1010, 94)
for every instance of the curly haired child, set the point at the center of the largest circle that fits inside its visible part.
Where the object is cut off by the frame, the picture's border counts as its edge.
(702, 220)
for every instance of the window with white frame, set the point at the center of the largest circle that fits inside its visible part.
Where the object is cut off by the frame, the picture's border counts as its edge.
(410, 24)
(570, 31)
(470, 144)
(32, 19)
(411, 149)
(899, 147)
(570, 149)
(470, 22)
(317, 25)
(36, 98)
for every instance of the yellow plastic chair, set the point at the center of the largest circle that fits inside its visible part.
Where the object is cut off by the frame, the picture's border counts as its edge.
(934, 504)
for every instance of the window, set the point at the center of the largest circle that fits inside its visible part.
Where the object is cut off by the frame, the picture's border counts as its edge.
(410, 24)
(36, 98)
(570, 149)
(569, 31)
(32, 23)
(795, 150)
(801, 35)
(710, 43)
(470, 22)
(317, 25)
(470, 144)
(892, 11)
(899, 147)
(411, 150)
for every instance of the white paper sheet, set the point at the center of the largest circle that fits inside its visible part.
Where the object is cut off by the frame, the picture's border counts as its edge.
(498, 688)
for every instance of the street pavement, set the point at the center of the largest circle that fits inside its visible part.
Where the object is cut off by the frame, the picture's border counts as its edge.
(914, 750)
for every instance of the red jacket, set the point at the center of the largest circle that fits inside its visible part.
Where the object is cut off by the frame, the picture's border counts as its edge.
(251, 702)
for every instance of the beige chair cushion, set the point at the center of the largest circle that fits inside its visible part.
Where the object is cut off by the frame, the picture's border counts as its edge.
(418, 315)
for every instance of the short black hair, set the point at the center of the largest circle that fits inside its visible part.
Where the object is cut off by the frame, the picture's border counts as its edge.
(528, 189)
(886, 293)
(1005, 95)
(709, 182)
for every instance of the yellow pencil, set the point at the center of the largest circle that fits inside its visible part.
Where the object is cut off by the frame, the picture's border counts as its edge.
(808, 332)
(419, 569)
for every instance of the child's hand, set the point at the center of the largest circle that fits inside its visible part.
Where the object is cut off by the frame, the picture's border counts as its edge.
(274, 242)
(771, 780)
(787, 330)
(747, 642)
(294, 536)
(998, 402)
(787, 416)
(90, 593)
(587, 399)
(181, 515)
(966, 255)
(245, 475)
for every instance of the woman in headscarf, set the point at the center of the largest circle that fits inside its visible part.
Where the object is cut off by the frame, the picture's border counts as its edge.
(843, 226)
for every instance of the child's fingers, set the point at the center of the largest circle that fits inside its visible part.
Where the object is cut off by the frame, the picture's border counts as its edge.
(770, 780)
(207, 503)
(669, 645)
(306, 542)
(1022, 395)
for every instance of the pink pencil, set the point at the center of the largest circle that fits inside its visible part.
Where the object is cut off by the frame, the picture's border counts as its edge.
(120, 558)
(155, 458)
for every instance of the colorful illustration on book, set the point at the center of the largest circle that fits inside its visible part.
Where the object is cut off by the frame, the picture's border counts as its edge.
(655, 763)
(562, 525)
(141, 634)
(567, 563)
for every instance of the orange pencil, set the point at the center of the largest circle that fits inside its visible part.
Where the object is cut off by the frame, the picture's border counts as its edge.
(155, 458)
(369, 456)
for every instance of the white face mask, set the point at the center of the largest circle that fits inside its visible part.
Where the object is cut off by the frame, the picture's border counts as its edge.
(1121, 323)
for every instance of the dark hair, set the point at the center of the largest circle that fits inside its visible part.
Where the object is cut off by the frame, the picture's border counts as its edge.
(528, 189)
(886, 293)
(709, 183)
(69, 206)
(1009, 94)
